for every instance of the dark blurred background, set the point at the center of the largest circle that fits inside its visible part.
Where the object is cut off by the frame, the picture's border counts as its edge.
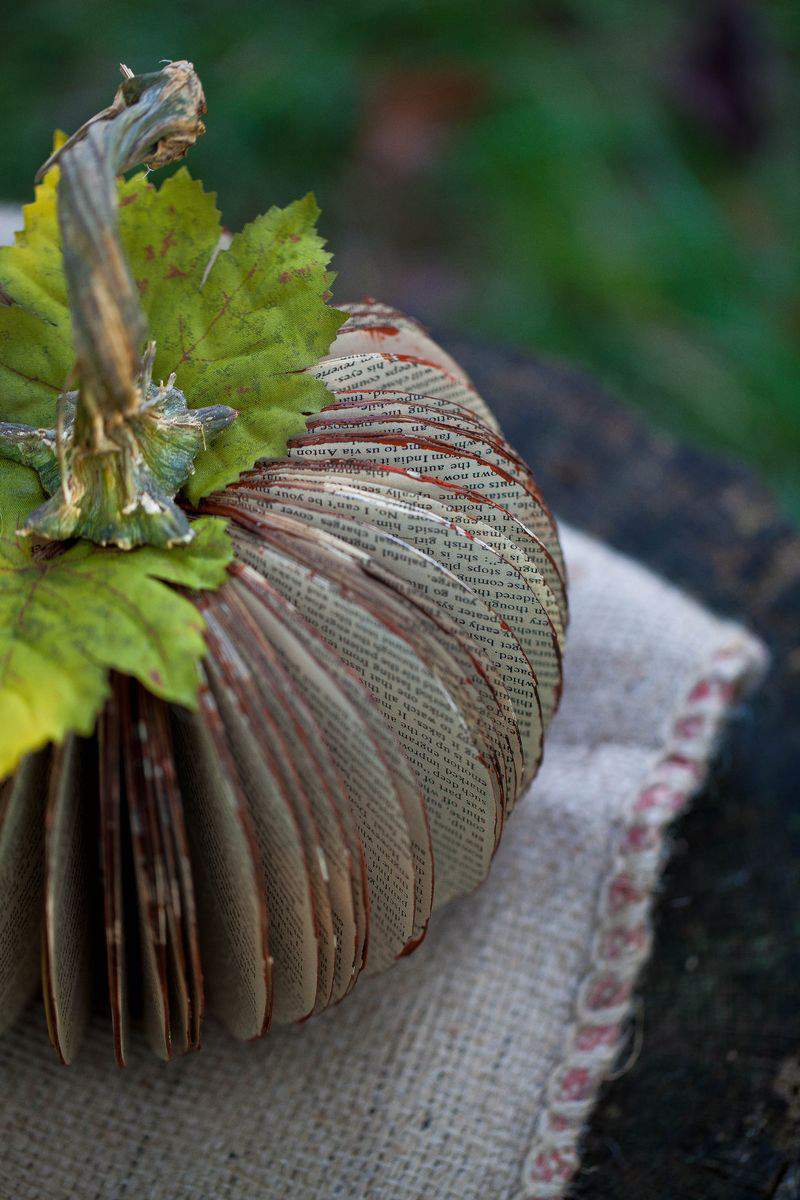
(609, 181)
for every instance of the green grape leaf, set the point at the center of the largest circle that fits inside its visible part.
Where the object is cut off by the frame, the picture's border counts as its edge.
(260, 431)
(65, 621)
(170, 235)
(21, 492)
(31, 271)
(242, 332)
(239, 331)
(237, 326)
(35, 362)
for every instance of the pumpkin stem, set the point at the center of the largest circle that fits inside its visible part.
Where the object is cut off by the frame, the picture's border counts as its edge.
(123, 445)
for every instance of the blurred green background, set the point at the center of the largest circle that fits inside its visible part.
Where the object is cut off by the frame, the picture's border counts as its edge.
(611, 182)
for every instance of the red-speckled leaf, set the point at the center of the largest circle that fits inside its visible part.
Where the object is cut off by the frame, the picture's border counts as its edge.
(237, 331)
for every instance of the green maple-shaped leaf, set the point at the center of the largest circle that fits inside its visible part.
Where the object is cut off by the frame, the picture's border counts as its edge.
(237, 326)
(238, 333)
(66, 620)
(21, 492)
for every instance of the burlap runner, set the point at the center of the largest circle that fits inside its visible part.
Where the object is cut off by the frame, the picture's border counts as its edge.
(468, 1071)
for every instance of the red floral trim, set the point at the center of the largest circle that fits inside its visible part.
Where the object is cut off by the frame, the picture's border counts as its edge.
(622, 938)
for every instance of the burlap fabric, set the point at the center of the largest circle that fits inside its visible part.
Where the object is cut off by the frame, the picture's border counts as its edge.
(467, 1072)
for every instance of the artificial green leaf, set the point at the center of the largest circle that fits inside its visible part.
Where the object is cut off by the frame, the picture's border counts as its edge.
(235, 333)
(170, 235)
(248, 328)
(21, 492)
(35, 361)
(35, 336)
(65, 621)
(260, 430)
(238, 326)
(30, 269)
(263, 296)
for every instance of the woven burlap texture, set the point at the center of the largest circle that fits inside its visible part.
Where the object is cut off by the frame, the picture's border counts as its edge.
(466, 1073)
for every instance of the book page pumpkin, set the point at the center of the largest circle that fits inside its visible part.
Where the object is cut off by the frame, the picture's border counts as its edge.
(378, 669)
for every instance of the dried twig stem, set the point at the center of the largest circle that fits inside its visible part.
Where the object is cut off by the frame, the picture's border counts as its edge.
(153, 119)
(122, 446)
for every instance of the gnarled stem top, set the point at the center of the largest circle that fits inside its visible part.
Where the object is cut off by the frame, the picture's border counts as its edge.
(154, 119)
